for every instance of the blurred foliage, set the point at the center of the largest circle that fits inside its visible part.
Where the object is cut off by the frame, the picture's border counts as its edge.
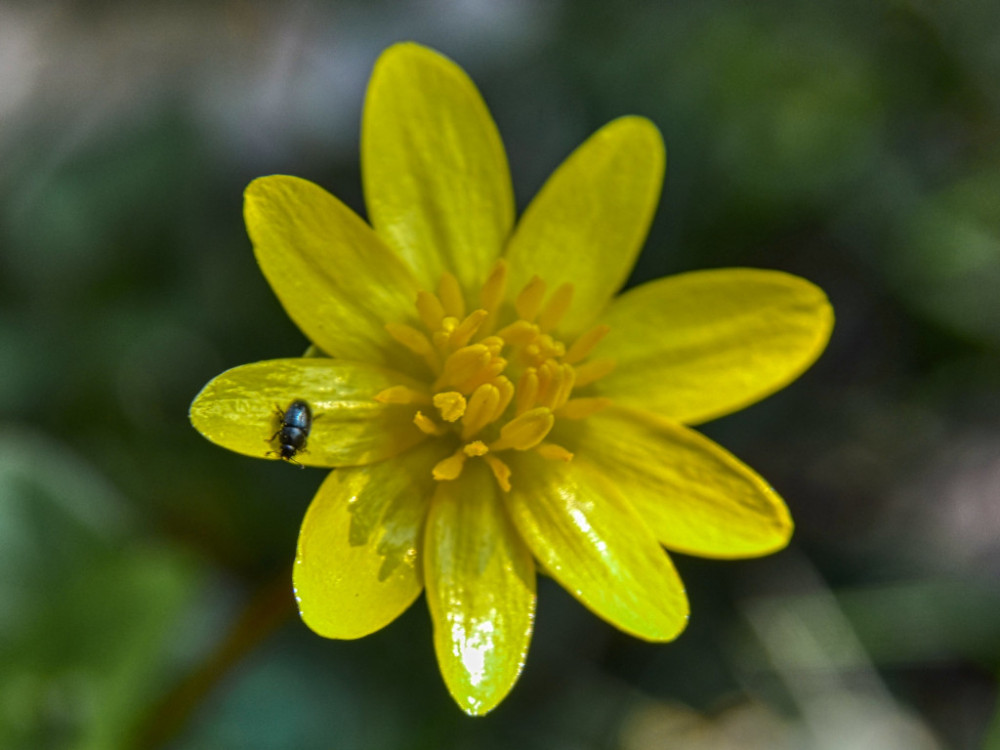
(854, 143)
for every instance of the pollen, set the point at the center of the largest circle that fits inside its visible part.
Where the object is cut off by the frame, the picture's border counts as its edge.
(501, 374)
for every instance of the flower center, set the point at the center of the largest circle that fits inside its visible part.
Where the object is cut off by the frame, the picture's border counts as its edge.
(496, 387)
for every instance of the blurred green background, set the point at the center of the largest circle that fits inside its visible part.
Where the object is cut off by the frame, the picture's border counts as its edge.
(144, 573)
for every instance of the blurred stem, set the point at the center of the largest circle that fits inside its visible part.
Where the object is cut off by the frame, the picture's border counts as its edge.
(265, 611)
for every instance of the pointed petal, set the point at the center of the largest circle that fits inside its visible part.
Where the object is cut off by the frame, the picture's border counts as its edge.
(239, 410)
(335, 278)
(696, 497)
(356, 569)
(590, 539)
(435, 173)
(480, 590)
(700, 345)
(589, 221)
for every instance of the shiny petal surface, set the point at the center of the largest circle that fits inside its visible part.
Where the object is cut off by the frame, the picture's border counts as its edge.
(590, 539)
(357, 566)
(480, 590)
(589, 221)
(436, 180)
(239, 410)
(700, 345)
(334, 276)
(696, 497)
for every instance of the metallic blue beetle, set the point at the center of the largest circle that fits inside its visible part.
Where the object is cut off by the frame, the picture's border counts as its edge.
(296, 421)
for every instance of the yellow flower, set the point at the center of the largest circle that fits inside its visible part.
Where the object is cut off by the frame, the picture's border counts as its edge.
(490, 408)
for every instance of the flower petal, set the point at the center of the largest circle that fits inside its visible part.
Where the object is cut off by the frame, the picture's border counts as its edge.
(356, 569)
(239, 410)
(480, 590)
(435, 173)
(589, 221)
(696, 497)
(590, 539)
(699, 345)
(334, 276)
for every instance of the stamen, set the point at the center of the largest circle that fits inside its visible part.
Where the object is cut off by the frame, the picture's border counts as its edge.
(401, 394)
(427, 425)
(525, 431)
(547, 373)
(482, 406)
(501, 471)
(529, 301)
(582, 347)
(527, 391)
(451, 405)
(493, 290)
(506, 389)
(475, 448)
(578, 408)
(567, 379)
(463, 364)
(467, 329)
(449, 468)
(518, 333)
(416, 342)
(486, 375)
(451, 295)
(556, 307)
(553, 452)
(592, 371)
(430, 310)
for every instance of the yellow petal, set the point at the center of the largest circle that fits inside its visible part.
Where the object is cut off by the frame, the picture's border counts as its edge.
(590, 539)
(335, 278)
(696, 497)
(435, 173)
(480, 590)
(589, 221)
(699, 345)
(356, 569)
(239, 410)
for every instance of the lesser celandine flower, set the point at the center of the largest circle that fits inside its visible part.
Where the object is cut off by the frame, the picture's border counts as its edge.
(490, 408)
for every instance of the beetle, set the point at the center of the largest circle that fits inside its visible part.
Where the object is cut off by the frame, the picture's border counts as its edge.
(296, 421)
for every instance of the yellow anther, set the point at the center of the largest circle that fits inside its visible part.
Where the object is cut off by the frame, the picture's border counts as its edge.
(506, 390)
(567, 379)
(526, 431)
(494, 344)
(529, 301)
(427, 425)
(463, 364)
(401, 394)
(467, 328)
(410, 337)
(578, 408)
(451, 405)
(553, 452)
(585, 344)
(486, 375)
(415, 341)
(518, 333)
(451, 296)
(482, 406)
(549, 347)
(430, 310)
(475, 448)
(449, 468)
(493, 290)
(592, 371)
(556, 307)
(501, 471)
(527, 391)
(548, 374)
